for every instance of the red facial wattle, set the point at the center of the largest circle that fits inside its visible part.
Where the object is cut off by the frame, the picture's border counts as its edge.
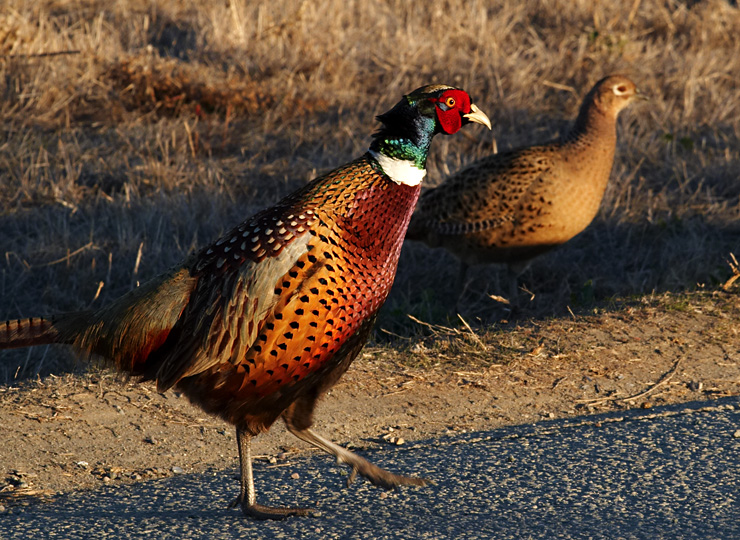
(451, 105)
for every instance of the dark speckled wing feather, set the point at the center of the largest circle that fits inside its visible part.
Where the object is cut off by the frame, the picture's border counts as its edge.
(235, 294)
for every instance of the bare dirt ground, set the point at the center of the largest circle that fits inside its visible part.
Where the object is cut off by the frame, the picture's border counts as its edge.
(78, 432)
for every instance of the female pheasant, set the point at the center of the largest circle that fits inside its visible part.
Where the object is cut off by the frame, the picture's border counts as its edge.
(511, 207)
(259, 324)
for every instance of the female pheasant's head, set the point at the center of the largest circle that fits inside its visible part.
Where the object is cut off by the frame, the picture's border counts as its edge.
(401, 146)
(611, 95)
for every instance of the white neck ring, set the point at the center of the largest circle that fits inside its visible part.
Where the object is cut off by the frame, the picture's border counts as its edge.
(401, 171)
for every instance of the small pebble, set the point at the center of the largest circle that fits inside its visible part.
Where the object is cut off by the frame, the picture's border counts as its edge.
(177, 470)
(83, 464)
(295, 476)
(736, 434)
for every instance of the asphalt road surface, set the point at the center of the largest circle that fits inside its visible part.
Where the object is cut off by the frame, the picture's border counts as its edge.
(668, 473)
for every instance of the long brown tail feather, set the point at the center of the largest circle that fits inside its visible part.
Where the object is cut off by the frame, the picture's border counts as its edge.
(28, 332)
(126, 332)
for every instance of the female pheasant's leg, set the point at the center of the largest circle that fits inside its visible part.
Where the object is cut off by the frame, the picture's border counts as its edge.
(513, 272)
(376, 475)
(462, 285)
(247, 497)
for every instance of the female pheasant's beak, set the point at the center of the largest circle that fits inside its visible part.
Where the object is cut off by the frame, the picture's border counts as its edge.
(477, 116)
(640, 95)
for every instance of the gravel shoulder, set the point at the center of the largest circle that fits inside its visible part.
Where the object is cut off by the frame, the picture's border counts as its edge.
(77, 432)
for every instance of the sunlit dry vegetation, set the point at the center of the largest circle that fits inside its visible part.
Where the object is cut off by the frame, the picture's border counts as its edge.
(135, 131)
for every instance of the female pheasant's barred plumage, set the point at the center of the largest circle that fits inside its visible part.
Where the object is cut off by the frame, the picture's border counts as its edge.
(261, 323)
(511, 207)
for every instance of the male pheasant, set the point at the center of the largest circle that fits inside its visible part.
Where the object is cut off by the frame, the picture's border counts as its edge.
(513, 206)
(259, 324)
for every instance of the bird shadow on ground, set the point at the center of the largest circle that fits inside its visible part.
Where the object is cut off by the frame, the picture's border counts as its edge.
(605, 263)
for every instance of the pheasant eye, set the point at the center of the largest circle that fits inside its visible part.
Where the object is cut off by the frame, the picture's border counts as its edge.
(450, 102)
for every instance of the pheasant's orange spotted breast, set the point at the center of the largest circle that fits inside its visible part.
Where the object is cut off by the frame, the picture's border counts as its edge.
(346, 235)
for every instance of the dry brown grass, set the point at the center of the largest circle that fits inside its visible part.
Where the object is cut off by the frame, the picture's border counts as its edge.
(174, 120)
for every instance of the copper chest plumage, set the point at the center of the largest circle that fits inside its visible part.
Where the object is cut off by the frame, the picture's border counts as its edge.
(328, 255)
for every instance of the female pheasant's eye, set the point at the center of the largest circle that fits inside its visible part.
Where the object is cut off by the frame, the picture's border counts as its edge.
(450, 102)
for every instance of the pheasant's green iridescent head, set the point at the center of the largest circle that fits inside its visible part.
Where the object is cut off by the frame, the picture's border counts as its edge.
(408, 127)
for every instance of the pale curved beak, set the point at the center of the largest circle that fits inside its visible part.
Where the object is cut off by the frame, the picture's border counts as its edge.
(477, 116)
(640, 95)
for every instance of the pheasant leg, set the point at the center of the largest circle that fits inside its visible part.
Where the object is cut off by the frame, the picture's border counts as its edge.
(361, 466)
(462, 285)
(512, 277)
(247, 498)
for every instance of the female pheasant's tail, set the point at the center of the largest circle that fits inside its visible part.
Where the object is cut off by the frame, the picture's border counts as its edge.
(37, 330)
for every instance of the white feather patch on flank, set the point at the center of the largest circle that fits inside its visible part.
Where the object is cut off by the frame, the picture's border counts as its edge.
(401, 171)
